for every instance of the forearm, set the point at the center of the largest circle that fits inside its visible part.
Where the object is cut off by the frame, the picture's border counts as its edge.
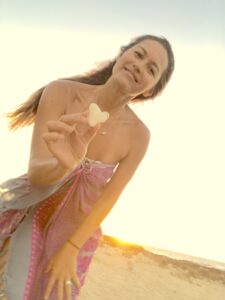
(93, 220)
(46, 171)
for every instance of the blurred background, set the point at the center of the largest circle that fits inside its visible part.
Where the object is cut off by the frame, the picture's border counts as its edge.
(176, 199)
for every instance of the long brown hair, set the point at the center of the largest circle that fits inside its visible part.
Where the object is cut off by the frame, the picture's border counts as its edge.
(24, 115)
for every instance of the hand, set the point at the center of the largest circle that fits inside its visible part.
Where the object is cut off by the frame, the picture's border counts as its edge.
(62, 267)
(68, 138)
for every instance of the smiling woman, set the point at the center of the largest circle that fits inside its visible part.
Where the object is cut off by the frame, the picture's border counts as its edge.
(76, 174)
(152, 60)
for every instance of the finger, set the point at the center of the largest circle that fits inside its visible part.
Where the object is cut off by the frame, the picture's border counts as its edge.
(68, 289)
(85, 113)
(73, 118)
(76, 281)
(80, 129)
(52, 136)
(49, 288)
(60, 288)
(48, 268)
(59, 126)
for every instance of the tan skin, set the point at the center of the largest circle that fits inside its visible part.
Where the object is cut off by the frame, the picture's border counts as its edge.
(63, 105)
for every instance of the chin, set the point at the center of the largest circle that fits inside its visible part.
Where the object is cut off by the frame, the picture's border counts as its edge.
(124, 84)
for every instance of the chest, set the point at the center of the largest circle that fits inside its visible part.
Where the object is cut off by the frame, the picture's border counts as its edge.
(112, 141)
(111, 144)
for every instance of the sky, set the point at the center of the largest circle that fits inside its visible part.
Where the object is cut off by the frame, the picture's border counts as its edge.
(196, 20)
(175, 201)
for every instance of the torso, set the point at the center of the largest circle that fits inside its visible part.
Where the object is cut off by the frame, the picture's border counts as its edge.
(113, 146)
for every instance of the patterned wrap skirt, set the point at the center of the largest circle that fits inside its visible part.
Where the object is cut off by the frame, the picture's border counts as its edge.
(39, 220)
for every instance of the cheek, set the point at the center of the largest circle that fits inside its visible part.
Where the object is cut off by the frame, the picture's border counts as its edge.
(148, 82)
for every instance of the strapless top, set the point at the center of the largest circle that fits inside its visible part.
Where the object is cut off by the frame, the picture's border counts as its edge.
(87, 160)
(19, 193)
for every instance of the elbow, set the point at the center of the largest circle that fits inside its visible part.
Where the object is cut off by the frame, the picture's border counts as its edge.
(37, 173)
(45, 172)
(35, 182)
(33, 173)
(35, 179)
(39, 178)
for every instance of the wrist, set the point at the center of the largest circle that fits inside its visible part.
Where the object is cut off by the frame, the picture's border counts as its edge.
(67, 168)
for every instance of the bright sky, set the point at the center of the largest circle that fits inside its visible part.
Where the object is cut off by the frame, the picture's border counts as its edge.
(176, 199)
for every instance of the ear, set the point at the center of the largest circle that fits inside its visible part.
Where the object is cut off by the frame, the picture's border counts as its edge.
(147, 94)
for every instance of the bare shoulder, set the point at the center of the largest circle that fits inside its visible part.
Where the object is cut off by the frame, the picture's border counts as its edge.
(75, 87)
(65, 93)
(56, 91)
(59, 85)
(65, 86)
(140, 134)
(139, 137)
(138, 142)
(79, 94)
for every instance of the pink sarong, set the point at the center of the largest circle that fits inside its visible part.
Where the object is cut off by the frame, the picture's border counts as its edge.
(50, 222)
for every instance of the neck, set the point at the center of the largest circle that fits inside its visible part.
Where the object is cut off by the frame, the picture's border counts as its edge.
(111, 98)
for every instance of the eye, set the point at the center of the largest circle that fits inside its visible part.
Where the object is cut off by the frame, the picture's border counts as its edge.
(152, 71)
(138, 54)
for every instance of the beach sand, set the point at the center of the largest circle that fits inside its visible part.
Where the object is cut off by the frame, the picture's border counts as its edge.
(128, 271)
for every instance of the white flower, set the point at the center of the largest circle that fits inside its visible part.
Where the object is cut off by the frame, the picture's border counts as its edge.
(95, 115)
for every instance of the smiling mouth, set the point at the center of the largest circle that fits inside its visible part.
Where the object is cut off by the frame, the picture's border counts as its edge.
(133, 76)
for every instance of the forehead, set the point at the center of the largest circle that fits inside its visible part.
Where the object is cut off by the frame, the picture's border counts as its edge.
(155, 51)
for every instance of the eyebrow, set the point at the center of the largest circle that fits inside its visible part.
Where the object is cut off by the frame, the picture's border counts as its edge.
(146, 53)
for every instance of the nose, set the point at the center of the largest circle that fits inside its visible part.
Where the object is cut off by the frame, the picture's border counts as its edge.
(136, 68)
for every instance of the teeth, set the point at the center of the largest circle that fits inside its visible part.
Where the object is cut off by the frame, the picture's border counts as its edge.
(131, 74)
(133, 77)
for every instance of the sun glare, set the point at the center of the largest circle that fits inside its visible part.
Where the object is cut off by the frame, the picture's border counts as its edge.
(175, 199)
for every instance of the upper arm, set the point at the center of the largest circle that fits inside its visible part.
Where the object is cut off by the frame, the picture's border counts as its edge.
(128, 165)
(51, 106)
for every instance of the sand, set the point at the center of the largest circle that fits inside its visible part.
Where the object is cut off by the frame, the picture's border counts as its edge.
(128, 271)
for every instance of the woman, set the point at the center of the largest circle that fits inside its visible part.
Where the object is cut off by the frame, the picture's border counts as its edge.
(76, 172)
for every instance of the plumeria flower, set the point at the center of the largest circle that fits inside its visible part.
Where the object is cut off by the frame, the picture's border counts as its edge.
(96, 116)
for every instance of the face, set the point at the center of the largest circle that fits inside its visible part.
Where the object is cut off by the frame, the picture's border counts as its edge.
(139, 68)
